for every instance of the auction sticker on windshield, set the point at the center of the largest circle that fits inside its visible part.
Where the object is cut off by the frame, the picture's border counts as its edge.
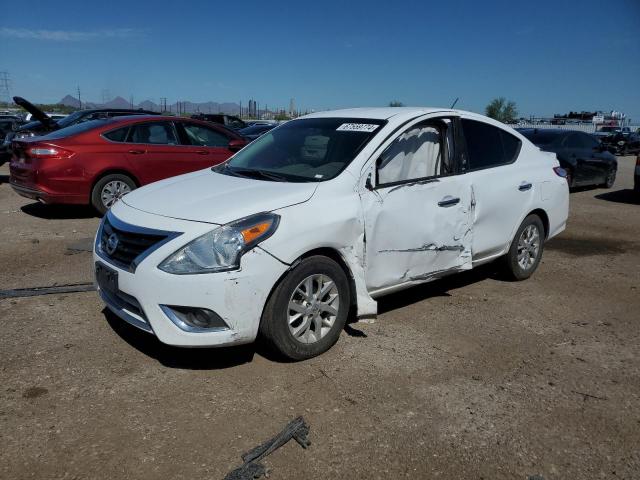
(357, 127)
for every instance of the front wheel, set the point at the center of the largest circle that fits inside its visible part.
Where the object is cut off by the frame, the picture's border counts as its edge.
(109, 189)
(308, 310)
(526, 249)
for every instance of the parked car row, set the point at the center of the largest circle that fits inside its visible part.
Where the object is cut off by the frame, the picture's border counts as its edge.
(585, 159)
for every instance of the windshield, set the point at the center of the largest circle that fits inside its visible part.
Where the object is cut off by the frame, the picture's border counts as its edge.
(70, 119)
(314, 149)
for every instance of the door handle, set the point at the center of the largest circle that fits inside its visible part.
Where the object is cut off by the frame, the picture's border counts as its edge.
(202, 152)
(137, 152)
(524, 187)
(448, 201)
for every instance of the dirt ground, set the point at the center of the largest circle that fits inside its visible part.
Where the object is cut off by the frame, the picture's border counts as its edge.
(469, 377)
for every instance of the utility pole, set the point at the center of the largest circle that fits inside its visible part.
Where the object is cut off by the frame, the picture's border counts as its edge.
(106, 96)
(131, 100)
(79, 99)
(5, 87)
(163, 104)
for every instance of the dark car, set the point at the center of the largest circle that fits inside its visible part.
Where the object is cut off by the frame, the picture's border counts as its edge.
(8, 125)
(586, 160)
(98, 161)
(44, 124)
(636, 176)
(254, 131)
(228, 121)
(623, 143)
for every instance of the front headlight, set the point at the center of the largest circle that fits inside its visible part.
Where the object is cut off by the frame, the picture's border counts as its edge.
(221, 249)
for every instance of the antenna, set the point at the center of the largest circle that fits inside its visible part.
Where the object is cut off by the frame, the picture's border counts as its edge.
(454, 102)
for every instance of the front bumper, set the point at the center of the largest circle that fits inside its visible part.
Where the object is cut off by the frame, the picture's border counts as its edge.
(238, 297)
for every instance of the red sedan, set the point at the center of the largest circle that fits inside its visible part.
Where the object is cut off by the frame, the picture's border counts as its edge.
(98, 161)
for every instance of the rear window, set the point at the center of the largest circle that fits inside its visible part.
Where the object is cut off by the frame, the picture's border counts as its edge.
(488, 146)
(74, 129)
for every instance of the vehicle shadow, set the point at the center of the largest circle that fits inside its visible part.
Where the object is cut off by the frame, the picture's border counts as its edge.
(441, 287)
(186, 358)
(4, 179)
(626, 195)
(228, 357)
(58, 212)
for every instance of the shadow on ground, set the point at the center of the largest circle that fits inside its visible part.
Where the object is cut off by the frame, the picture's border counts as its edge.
(4, 179)
(441, 288)
(227, 357)
(58, 212)
(626, 195)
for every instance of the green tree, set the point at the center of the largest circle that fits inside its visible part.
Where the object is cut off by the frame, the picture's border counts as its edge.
(396, 103)
(501, 109)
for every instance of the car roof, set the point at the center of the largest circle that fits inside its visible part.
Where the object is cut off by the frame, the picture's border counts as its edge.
(377, 113)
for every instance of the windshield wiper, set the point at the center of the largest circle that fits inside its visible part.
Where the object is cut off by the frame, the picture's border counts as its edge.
(253, 173)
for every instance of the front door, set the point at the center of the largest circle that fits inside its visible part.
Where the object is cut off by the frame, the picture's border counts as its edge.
(417, 211)
(152, 151)
(204, 146)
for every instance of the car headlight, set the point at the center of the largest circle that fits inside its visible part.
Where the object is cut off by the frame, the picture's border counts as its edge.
(221, 249)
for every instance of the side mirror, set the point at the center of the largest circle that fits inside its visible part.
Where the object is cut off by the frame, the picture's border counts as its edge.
(235, 145)
(368, 184)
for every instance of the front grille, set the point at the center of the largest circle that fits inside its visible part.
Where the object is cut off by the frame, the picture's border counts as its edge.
(132, 243)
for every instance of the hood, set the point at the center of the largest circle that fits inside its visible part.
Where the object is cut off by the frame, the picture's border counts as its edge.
(206, 196)
(38, 114)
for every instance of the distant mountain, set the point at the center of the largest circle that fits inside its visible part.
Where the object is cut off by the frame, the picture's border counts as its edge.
(187, 107)
(70, 101)
(117, 102)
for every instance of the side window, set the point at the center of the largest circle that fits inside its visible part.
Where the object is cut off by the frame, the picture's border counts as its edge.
(420, 152)
(234, 122)
(118, 135)
(488, 146)
(204, 137)
(158, 133)
(575, 141)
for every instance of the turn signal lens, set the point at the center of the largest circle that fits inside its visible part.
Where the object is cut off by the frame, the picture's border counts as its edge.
(561, 172)
(255, 232)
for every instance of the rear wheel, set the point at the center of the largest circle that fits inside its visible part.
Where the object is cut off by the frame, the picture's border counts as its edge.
(308, 310)
(610, 179)
(109, 189)
(526, 248)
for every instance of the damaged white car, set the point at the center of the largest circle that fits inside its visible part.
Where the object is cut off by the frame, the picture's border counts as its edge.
(321, 216)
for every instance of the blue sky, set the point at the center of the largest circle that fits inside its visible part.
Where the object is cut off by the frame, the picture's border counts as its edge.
(548, 56)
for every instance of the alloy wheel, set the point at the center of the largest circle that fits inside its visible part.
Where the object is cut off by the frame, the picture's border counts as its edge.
(313, 308)
(113, 191)
(528, 247)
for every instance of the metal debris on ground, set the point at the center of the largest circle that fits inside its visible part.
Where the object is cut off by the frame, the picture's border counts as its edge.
(35, 291)
(251, 468)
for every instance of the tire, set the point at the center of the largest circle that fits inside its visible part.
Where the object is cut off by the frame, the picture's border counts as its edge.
(570, 179)
(292, 332)
(610, 179)
(515, 269)
(122, 184)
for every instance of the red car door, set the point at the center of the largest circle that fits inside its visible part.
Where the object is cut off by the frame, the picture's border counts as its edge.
(207, 146)
(153, 151)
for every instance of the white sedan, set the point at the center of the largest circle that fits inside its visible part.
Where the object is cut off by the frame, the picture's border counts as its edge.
(321, 216)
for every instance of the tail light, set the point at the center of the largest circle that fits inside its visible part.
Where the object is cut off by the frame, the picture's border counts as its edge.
(48, 151)
(561, 172)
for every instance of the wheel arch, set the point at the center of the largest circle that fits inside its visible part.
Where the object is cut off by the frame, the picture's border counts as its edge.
(544, 217)
(113, 171)
(328, 252)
